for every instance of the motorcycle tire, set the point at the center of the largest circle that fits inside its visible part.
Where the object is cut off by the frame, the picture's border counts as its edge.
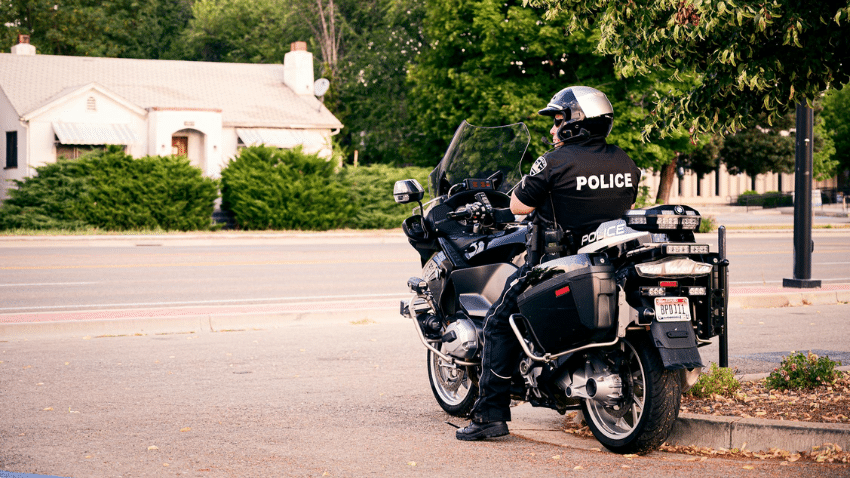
(652, 399)
(453, 386)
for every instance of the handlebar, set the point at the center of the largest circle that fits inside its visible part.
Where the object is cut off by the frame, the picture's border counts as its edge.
(465, 214)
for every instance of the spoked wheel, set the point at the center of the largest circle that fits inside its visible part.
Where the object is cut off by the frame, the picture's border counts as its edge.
(650, 405)
(452, 385)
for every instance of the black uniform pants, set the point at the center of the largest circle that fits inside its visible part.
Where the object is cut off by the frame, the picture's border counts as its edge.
(501, 354)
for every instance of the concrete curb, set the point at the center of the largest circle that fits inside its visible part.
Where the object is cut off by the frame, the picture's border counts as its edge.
(756, 434)
(544, 425)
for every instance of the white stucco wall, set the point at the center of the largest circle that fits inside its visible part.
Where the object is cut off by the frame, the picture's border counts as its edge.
(75, 109)
(164, 123)
(9, 122)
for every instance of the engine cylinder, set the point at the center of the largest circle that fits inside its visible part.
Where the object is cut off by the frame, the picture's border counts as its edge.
(461, 339)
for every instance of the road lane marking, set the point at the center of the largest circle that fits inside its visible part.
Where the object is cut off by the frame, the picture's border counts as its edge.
(47, 284)
(788, 252)
(207, 264)
(303, 300)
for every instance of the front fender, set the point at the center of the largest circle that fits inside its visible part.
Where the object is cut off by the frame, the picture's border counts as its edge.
(677, 344)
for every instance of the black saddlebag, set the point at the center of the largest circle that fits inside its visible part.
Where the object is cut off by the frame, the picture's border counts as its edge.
(577, 304)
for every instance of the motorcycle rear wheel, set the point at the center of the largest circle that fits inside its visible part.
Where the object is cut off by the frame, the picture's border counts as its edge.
(453, 386)
(651, 403)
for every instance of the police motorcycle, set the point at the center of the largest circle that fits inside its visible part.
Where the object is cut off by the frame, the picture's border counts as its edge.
(611, 319)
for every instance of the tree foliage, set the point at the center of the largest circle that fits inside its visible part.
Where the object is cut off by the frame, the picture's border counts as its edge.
(246, 31)
(746, 58)
(371, 94)
(114, 28)
(491, 63)
(836, 126)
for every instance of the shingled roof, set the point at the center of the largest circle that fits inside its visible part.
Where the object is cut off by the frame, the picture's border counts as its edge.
(248, 95)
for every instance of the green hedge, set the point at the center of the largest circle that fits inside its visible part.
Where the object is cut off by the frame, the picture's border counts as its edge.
(112, 191)
(270, 188)
(768, 199)
(263, 188)
(371, 190)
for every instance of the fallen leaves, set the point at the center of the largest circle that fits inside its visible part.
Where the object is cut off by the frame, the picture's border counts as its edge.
(826, 404)
(827, 453)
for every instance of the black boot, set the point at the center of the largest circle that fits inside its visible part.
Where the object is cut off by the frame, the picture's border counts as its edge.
(477, 431)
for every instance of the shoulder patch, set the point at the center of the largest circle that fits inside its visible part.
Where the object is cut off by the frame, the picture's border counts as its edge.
(538, 166)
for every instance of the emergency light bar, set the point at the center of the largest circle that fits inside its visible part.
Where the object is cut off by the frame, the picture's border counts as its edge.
(663, 218)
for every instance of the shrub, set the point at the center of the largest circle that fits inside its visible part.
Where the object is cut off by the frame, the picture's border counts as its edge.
(799, 371)
(643, 199)
(718, 381)
(371, 190)
(111, 190)
(707, 224)
(270, 188)
(769, 199)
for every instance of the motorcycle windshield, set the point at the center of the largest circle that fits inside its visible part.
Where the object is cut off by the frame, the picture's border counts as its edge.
(481, 152)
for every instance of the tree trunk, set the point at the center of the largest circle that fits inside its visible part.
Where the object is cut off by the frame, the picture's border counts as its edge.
(668, 174)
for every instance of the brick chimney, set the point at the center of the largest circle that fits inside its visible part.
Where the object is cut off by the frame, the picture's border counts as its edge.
(23, 47)
(298, 68)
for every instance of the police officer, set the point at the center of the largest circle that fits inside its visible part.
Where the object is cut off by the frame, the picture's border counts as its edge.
(579, 184)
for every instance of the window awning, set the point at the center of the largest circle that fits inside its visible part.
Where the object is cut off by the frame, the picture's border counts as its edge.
(94, 133)
(282, 138)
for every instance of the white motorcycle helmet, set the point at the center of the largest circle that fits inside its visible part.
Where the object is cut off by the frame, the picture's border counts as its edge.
(587, 112)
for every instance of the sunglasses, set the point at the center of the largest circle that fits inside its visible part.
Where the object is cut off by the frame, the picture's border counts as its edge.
(558, 121)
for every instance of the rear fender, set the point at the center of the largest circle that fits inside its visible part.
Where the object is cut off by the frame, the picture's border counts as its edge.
(677, 344)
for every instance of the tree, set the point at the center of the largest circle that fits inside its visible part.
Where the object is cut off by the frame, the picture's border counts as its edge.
(492, 62)
(117, 28)
(746, 58)
(371, 95)
(246, 31)
(760, 150)
(836, 124)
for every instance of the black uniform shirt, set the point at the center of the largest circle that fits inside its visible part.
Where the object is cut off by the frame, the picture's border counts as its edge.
(590, 182)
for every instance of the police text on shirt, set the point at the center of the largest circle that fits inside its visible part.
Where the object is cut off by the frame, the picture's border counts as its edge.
(596, 182)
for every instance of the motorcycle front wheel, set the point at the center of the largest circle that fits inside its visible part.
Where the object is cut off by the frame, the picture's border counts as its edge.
(650, 405)
(452, 385)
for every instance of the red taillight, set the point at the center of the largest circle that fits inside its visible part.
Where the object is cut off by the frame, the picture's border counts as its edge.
(562, 291)
(668, 283)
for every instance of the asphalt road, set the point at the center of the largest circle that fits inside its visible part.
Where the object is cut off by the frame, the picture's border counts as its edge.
(326, 398)
(342, 396)
(55, 275)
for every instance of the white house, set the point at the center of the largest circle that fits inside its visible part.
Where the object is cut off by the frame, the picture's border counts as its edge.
(53, 106)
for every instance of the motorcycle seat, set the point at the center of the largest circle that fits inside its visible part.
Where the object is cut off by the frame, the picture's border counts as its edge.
(475, 305)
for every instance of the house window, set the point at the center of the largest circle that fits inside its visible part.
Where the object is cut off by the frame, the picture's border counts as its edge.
(11, 149)
(91, 104)
(74, 151)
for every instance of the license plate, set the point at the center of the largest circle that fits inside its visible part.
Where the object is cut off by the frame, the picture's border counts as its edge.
(670, 309)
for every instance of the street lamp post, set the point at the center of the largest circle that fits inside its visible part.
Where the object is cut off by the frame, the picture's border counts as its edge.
(803, 245)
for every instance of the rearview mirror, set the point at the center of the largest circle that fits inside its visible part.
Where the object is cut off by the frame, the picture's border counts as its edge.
(407, 191)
